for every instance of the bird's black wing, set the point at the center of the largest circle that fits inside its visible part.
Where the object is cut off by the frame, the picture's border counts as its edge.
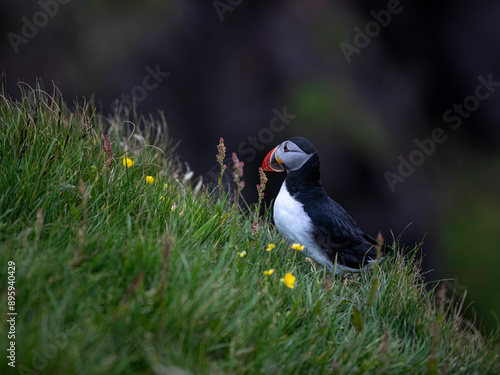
(336, 232)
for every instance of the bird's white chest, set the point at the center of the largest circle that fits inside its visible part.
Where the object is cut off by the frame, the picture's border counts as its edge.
(290, 218)
(296, 226)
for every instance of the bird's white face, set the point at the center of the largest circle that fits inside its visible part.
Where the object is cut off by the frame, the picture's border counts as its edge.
(287, 156)
(292, 156)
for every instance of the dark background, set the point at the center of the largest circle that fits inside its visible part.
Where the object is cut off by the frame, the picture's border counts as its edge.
(233, 64)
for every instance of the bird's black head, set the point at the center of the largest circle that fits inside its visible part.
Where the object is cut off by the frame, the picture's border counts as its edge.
(299, 158)
(304, 144)
(291, 155)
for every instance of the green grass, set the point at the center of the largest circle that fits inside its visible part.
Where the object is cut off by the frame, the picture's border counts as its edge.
(111, 279)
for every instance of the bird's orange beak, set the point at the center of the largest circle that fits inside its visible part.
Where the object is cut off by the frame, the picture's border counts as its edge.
(271, 163)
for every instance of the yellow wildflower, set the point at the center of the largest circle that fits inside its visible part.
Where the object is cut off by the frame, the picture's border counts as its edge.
(298, 247)
(289, 280)
(270, 247)
(150, 180)
(127, 163)
(242, 254)
(269, 272)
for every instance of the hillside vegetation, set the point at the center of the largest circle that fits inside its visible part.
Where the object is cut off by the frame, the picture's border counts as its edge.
(125, 265)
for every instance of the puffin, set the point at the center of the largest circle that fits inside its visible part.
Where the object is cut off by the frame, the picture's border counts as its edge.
(304, 213)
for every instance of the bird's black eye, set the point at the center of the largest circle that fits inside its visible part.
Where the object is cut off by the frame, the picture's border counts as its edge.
(285, 148)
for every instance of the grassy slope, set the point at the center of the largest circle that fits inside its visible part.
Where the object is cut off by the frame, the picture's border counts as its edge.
(110, 279)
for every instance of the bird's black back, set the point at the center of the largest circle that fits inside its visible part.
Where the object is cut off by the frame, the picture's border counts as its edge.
(335, 231)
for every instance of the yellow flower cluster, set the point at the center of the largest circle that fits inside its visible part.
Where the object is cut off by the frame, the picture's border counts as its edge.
(289, 279)
(298, 247)
(127, 163)
(242, 254)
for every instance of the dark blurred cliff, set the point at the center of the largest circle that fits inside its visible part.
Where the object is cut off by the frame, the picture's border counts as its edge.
(401, 99)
